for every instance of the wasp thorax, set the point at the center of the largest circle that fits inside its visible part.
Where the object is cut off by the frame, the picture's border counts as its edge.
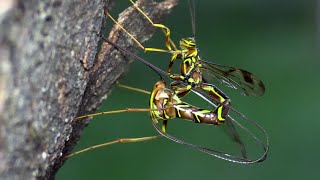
(188, 43)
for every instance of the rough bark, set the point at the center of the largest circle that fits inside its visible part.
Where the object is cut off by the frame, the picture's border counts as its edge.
(51, 71)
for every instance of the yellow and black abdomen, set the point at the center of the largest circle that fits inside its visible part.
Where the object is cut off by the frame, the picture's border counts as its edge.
(198, 115)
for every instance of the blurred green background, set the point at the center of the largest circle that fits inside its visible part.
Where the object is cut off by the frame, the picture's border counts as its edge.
(276, 40)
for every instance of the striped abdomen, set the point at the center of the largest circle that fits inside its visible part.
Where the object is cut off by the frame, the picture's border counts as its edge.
(198, 115)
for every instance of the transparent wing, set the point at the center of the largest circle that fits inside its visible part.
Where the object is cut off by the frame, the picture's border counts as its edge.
(247, 83)
(212, 152)
(234, 135)
(231, 130)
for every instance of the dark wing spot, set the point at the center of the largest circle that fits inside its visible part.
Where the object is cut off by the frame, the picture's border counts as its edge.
(247, 77)
(226, 73)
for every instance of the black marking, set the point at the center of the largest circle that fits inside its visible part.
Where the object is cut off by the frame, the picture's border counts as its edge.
(247, 77)
(177, 113)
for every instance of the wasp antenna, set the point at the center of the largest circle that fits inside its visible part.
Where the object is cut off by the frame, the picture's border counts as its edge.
(192, 9)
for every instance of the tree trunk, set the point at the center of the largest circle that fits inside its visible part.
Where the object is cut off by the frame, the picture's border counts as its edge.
(53, 69)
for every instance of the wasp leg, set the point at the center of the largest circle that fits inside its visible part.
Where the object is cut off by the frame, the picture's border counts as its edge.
(165, 29)
(122, 140)
(179, 91)
(222, 109)
(176, 55)
(135, 39)
(164, 125)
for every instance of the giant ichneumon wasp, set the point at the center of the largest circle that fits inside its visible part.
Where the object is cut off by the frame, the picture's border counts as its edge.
(166, 104)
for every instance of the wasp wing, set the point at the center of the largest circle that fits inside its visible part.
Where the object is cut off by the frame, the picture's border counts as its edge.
(246, 82)
(212, 152)
(229, 126)
(234, 135)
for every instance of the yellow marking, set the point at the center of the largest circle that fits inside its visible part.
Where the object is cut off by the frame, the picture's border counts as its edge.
(201, 112)
(184, 51)
(190, 53)
(205, 111)
(189, 87)
(165, 101)
(174, 57)
(198, 81)
(187, 60)
(183, 105)
(196, 113)
(155, 117)
(184, 65)
(221, 99)
(197, 117)
(166, 116)
(185, 69)
(220, 118)
(183, 44)
(190, 80)
(151, 99)
(186, 43)
(154, 114)
(179, 114)
(191, 68)
(163, 128)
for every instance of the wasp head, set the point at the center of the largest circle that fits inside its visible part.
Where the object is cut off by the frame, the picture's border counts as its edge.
(188, 43)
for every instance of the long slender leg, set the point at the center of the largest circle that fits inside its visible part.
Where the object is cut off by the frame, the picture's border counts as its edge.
(116, 111)
(122, 140)
(122, 110)
(135, 40)
(165, 30)
(175, 55)
(222, 109)
(179, 91)
(134, 89)
(182, 91)
(168, 40)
